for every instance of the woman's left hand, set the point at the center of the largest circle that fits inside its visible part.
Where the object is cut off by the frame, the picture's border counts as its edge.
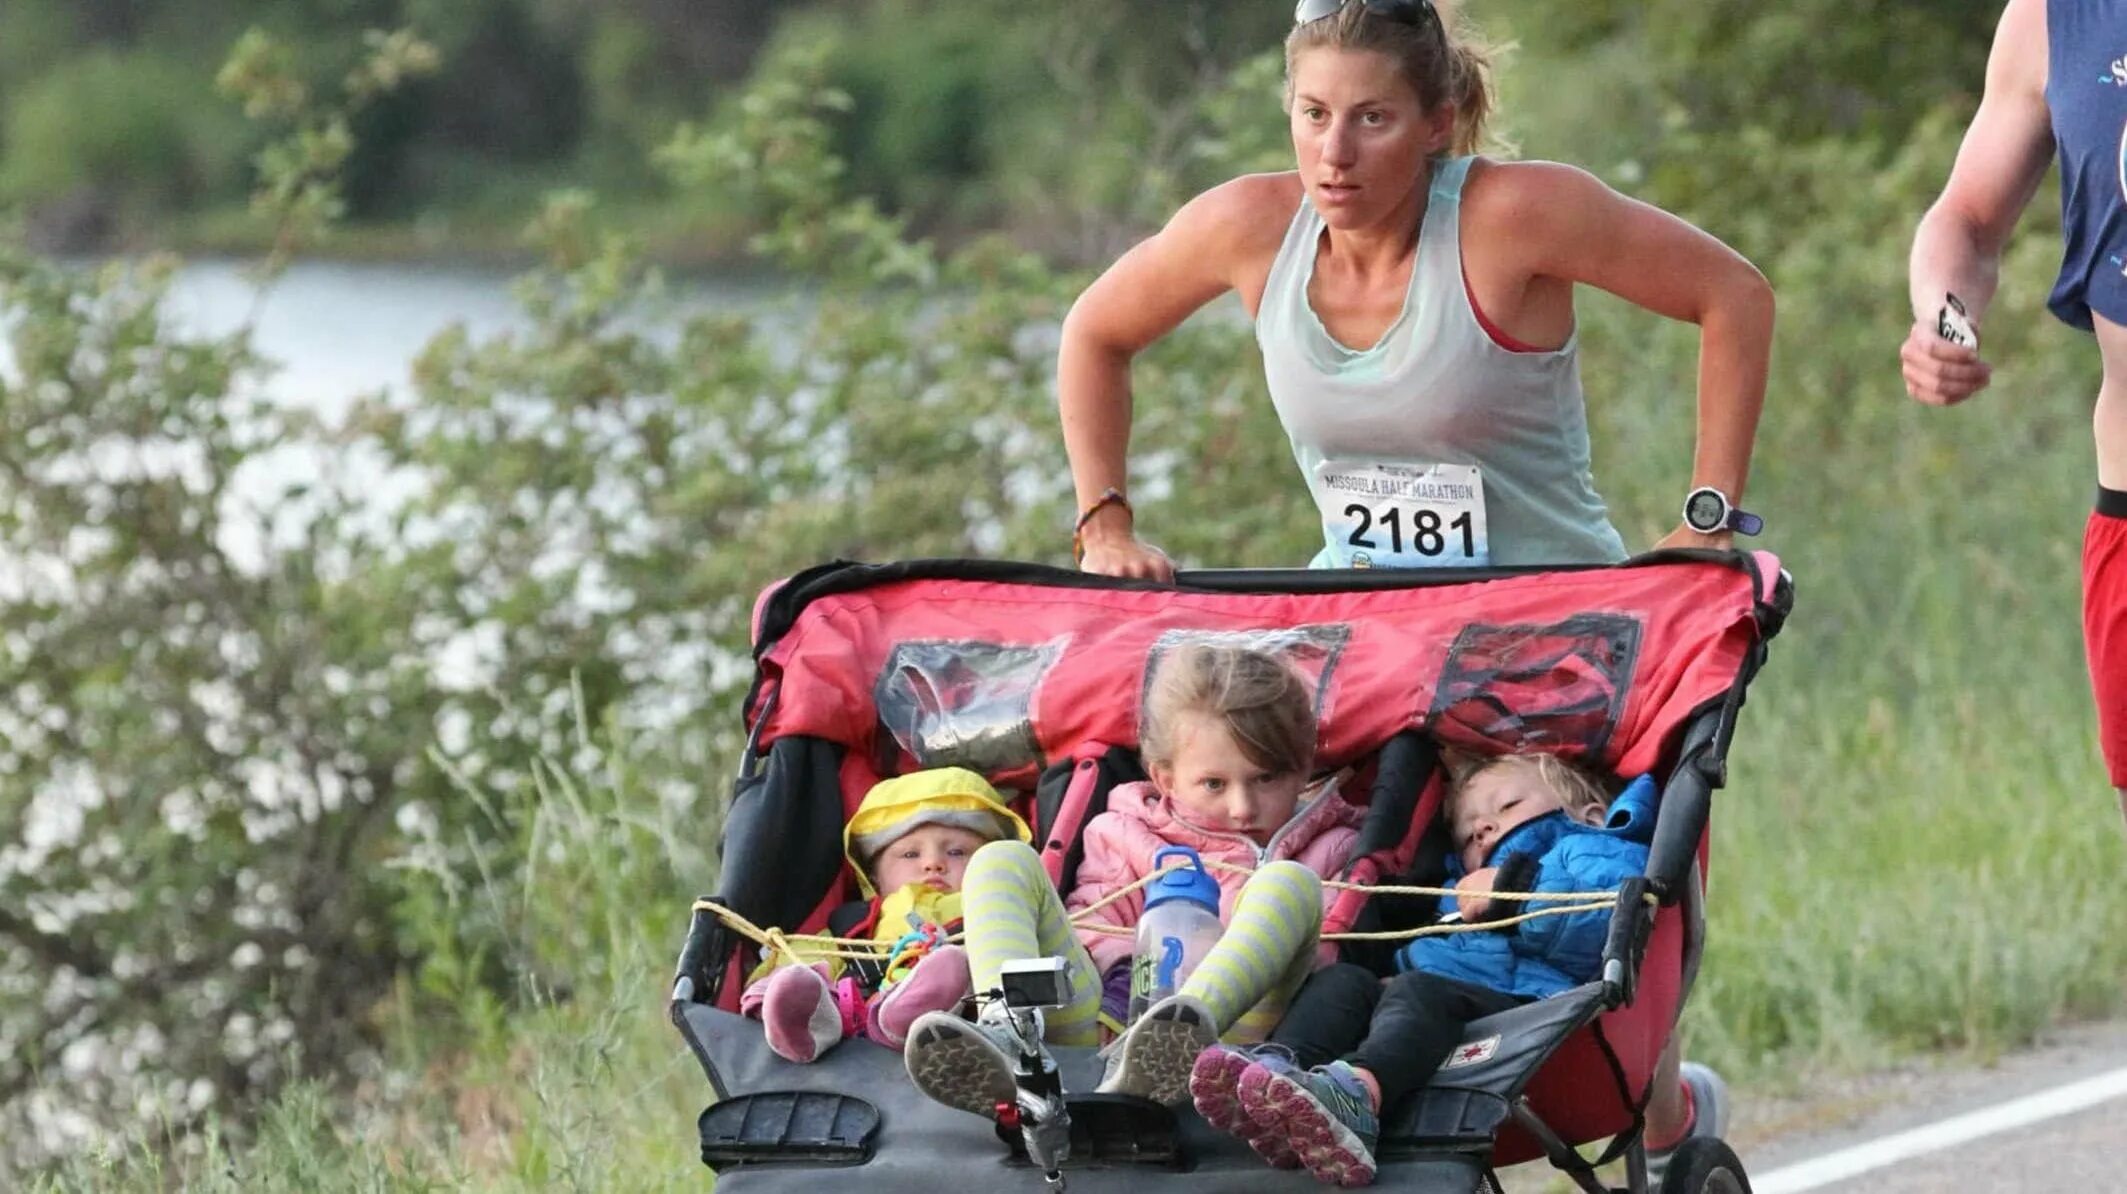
(1684, 536)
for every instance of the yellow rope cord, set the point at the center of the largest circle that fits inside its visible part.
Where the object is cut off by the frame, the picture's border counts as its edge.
(1392, 889)
(818, 945)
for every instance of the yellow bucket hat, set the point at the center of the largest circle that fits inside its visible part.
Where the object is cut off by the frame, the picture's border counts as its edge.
(952, 796)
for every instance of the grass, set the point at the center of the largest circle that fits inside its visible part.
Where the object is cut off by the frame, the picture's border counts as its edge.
(582, 1098)
(1918, 850)
(1917, 853)
(578, 1083)
(488, 233)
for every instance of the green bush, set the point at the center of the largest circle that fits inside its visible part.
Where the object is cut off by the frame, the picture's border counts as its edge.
(925, 80)
(141, 128)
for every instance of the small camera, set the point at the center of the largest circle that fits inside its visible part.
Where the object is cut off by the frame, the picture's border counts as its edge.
(1036, 982)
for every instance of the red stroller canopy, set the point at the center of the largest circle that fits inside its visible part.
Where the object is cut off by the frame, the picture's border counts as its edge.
(1007, 668)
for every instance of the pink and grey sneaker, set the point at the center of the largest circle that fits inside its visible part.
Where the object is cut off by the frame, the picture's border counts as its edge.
(1214, 1084)
(938, 983)
(799, 1014)
(1325, 1112)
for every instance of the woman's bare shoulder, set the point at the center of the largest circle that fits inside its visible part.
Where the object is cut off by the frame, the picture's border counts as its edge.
(1224, 239)
(1507, 191)
(1241, 213)
(1512, 210)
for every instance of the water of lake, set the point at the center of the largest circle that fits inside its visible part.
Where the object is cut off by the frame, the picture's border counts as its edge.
(342, 330)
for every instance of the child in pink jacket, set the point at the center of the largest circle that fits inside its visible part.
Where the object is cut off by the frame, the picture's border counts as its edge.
(1228, 736)
(1141, 820)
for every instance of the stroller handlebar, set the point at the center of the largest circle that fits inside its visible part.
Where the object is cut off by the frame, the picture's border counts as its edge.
(1680, 822)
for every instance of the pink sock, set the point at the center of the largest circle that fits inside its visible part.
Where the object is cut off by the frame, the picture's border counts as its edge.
(938, 983)
(1372, 1085)
(798, 1014)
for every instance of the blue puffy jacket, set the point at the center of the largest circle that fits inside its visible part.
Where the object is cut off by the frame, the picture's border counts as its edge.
(1550, 954)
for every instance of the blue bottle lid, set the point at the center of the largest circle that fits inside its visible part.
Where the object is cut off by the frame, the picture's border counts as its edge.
(1189, 881)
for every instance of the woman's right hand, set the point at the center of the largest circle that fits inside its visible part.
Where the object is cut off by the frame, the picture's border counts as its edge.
(1124, 554)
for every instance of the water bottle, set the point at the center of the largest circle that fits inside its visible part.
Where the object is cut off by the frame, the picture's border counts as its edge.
(1180, 925)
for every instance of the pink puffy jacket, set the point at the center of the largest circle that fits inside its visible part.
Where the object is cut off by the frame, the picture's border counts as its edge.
(1139, 821)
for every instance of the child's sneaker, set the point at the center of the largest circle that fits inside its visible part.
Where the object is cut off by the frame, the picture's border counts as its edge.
(1214, 1087)
(937, 984)
(965, 1064)
(1153, 1057)
(798, 1014)
(1707, 1103)
(1325, 1113)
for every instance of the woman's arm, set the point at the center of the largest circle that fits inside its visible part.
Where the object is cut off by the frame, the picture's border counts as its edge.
(1212, 242)
(1546, 222)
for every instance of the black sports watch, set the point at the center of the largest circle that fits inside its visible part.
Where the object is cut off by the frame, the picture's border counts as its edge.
(1708, 511)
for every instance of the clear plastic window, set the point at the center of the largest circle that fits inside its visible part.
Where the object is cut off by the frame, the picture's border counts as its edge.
(1311, 651)
(964, 703)
(1558, 687)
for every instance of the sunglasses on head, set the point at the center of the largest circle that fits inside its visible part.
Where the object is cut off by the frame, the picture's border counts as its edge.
(1403, 12)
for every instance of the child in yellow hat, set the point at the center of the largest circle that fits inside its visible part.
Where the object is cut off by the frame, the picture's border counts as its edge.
(909, 844)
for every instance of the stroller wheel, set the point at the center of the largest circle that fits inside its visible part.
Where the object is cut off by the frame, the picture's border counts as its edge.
(1704, 1165)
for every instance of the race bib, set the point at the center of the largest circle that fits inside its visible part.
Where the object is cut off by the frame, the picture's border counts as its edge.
(1382, 515)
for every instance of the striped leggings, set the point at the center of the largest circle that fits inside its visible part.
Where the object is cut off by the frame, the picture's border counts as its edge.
(1010, 910)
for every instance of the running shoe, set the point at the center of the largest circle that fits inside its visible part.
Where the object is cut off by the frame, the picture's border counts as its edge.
(967, 1065)
(1214, 1086)
(1326, 1114)
(1153, 1057)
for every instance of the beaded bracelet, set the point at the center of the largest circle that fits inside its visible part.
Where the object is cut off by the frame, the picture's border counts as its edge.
(1110, 496)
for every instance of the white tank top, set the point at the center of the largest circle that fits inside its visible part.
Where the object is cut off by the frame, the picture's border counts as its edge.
(1435, 390)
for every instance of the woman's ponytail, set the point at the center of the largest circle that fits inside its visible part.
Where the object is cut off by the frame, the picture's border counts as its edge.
(1470, 90)
(1467, 73)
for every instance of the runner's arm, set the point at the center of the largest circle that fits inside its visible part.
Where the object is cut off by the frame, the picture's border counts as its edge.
(1571, 226)
(1958, 246)
(1147, 293)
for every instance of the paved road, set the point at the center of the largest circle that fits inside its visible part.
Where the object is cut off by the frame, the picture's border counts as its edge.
(2084, 1150)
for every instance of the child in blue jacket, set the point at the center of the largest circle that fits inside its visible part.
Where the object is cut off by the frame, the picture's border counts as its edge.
(1519, 823)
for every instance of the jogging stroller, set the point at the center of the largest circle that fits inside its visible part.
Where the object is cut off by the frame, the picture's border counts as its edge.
(1031, 676)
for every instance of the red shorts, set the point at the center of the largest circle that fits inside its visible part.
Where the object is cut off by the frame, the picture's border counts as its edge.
(2105, 625)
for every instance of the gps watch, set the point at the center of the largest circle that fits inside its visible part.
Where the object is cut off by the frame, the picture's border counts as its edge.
(1708, 511)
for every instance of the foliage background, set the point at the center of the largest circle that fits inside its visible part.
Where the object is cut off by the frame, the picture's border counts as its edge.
(349, 827)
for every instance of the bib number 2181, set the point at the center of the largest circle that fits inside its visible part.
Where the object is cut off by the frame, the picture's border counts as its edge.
(1430, 533)
(1394, 514)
